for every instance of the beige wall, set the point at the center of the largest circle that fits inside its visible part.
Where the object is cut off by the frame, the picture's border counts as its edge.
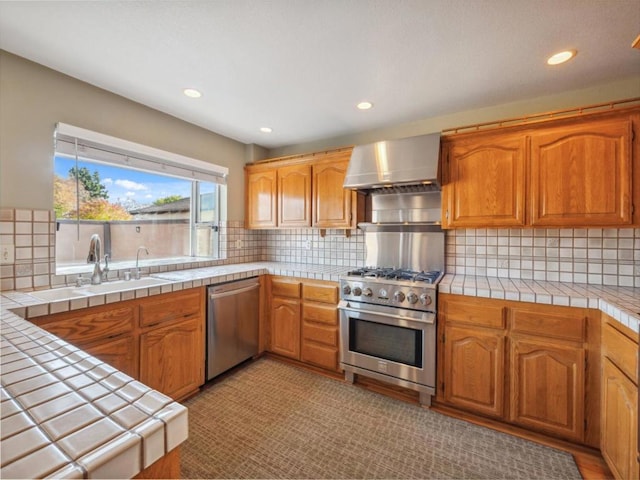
(34, 98)
(618, 90)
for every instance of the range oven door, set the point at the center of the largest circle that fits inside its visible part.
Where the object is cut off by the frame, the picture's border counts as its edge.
(389, 342)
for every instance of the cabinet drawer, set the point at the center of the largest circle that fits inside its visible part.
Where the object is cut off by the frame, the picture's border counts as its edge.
(320, 313)
(322, 356)
(320, 293)
(569, 325)
(86, 327)
(621, 350)
(173, 306)
(321, 334)
(473, 311)
(285, 288)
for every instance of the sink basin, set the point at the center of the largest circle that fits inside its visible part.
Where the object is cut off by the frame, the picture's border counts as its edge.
(65, 293)
(122, 285)
(69, 293)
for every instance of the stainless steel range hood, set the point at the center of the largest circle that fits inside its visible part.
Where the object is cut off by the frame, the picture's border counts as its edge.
(407, 161)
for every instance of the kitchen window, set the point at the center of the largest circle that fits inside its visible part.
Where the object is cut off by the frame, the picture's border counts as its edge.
(132, 195)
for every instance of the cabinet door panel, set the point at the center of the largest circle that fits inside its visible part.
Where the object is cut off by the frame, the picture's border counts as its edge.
(261, 199)
(619, 441)
(486, 182)
(548, 387)
(294, 196)
(320, 334)
(285, 327)
(581, 176)
(474, 369)
(320, 355)
(332, 203)
(326, 314)
(88, 326)
(172, 306)
(172, 358)
(119, 353)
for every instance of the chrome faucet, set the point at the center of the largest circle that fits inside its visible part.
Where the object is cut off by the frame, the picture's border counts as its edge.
(136, 274)
(99, 274)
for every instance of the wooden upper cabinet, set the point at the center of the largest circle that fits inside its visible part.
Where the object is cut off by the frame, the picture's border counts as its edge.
(581, 171)
(261, 200)
(581, 175)
(331, 202)
(294, 196)
(486, 182)
(304, 191)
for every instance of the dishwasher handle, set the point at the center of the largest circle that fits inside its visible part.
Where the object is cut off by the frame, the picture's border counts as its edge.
(214, 296)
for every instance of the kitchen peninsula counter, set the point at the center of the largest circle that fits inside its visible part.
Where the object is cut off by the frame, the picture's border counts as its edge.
(621, 303)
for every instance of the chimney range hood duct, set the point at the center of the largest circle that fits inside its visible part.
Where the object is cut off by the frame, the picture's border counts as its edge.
(411, 161)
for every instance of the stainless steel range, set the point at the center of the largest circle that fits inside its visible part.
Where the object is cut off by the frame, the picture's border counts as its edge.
(388, 313)
(388, 327)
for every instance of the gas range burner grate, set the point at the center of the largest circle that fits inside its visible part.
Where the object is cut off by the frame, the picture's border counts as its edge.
(396, 274)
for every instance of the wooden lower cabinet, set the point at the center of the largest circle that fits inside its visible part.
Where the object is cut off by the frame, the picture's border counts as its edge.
(172, 358)
(285, 327)
(474, 376)
(547, 386)
(159, 340)
(530, 365)
(303, 321)
(320, 336)
(619, 430)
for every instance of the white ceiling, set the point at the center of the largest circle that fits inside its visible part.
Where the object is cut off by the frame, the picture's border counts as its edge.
(300, 66)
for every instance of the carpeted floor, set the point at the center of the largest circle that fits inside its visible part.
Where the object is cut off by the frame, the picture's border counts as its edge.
(273, 420)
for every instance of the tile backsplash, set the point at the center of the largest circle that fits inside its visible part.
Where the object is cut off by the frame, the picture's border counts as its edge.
(595, 256)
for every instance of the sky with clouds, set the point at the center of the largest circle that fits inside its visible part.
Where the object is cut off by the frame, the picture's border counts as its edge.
(125, 185)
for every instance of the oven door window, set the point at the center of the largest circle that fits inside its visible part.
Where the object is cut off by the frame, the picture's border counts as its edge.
(389, 342)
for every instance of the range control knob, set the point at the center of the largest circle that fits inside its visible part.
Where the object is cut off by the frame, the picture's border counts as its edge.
(412, 298)
(357, 291)
(346, 289)
(398, 296)
(382, 293)
(367, 292)
(425, 299)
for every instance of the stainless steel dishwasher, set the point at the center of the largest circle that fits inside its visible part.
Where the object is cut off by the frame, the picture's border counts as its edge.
(232, 324)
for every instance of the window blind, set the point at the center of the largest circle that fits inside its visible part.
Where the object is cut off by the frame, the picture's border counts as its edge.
(98, 147)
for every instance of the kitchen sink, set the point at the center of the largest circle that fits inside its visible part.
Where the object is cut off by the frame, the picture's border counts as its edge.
(69, 293)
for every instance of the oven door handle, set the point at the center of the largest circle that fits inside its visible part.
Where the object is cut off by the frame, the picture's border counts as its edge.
(426, 317)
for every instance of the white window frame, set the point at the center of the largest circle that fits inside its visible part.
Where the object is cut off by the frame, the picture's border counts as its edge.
(78, 142)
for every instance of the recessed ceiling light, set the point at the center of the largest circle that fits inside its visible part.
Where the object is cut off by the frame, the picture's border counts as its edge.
(364, 105)
(266, 129)
(192, 93)
(561, 57)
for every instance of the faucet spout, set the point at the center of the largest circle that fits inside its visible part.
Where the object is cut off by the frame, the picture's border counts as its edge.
(95, 247)
(137, 271)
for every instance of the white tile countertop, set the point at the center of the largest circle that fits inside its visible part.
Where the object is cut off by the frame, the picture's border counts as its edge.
(65, 414)
(621, 303)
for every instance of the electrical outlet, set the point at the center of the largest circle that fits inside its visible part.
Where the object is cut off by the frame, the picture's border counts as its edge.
(307, 245)
(7, 254)
(238, 244)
